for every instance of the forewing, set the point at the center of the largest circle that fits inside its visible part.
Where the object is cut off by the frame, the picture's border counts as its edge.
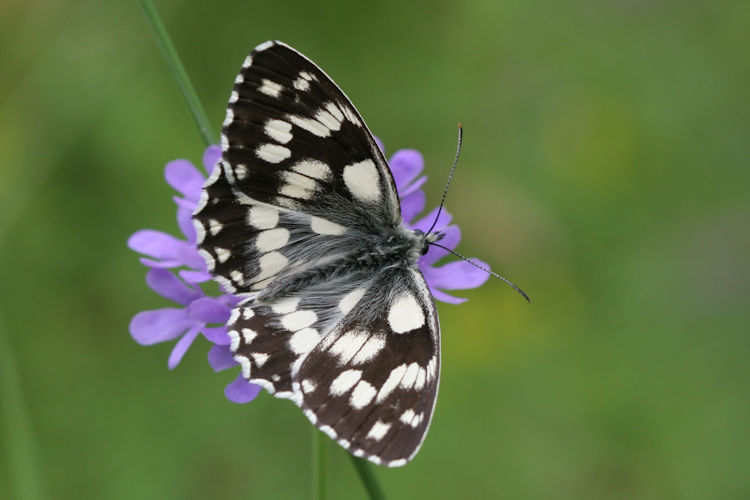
(292, 138)
(300, 172)
(371, 383)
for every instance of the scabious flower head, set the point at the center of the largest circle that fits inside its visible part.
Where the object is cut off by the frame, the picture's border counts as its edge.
(176, 269)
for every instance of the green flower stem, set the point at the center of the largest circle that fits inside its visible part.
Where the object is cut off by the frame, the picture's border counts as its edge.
(178, 71)
(319, 464)
(320, 442)
(23, 475)
(367, 475)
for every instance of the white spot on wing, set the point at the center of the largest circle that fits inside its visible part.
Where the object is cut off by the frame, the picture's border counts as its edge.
(362, 180)
(362, 395)
(345, 381)
(279, 130)
(410, 376)
(261, 217)
(313, 168)
(210, 262)
(304, 341)
(214, 226)
(308, 385)
(222, 254)
(328, 120)
(301, 84)
(312, 126)
(378, 431)
(229, 118)
(285, 306)
(335, 111)
(260, 358)
(273, 153)
(270, 88)
(234, 340)
(348, 345)
(270, 264)
(350, 300)
(394, 378)
(405, 314)
(272, 239)
(407, 416)
(298, 320)
(297, 185)
(238, 277)
(244, 363)
(240, 171)
(264, 46)
(248, 335)
(369, 349)
(421, 377)
(248, 62)
(323, 226)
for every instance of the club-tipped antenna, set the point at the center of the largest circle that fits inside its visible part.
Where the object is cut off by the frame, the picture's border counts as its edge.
(450, 176)
(507, 281)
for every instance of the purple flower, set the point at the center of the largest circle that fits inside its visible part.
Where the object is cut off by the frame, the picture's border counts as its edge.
(406, 165)
(201, 314)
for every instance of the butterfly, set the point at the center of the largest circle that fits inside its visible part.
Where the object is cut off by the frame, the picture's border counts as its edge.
(301, 220)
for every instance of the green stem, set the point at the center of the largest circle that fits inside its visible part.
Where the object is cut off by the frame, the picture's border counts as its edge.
(320, 441)
(367, 475)
(24, 477)
(178, 71)
(319, 464)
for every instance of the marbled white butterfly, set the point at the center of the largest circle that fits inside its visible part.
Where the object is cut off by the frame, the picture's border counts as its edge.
(301, 220)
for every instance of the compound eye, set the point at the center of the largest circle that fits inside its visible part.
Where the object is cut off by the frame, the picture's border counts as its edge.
(418, 232)
(425, 249)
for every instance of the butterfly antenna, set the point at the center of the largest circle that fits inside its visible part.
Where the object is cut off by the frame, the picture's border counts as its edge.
(450, 176)
(507, 281)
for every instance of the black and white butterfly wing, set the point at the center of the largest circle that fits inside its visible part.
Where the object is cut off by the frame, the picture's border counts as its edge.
(370, 382)
(298, 163)
(289, 221)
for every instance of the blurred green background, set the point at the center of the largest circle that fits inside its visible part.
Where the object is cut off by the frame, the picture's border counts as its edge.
(605, 170)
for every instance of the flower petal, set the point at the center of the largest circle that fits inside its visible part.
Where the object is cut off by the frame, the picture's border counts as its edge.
(157, 244)
(405, 166)
(210, 158)
(194, 276)
(181, 347)
(185, 178)
(190, 257)
(412, 204)
(241, 391)
(216, 334)
(209, 310)
(185, 210)
(170, 286)
(220, 358)
(426, 222)
(159, 263)
(444, 297)
(414, 186)
(159, 325)
(434, 254)
(457, 275)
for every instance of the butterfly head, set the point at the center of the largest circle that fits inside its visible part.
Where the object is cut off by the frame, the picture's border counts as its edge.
(427, 239)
